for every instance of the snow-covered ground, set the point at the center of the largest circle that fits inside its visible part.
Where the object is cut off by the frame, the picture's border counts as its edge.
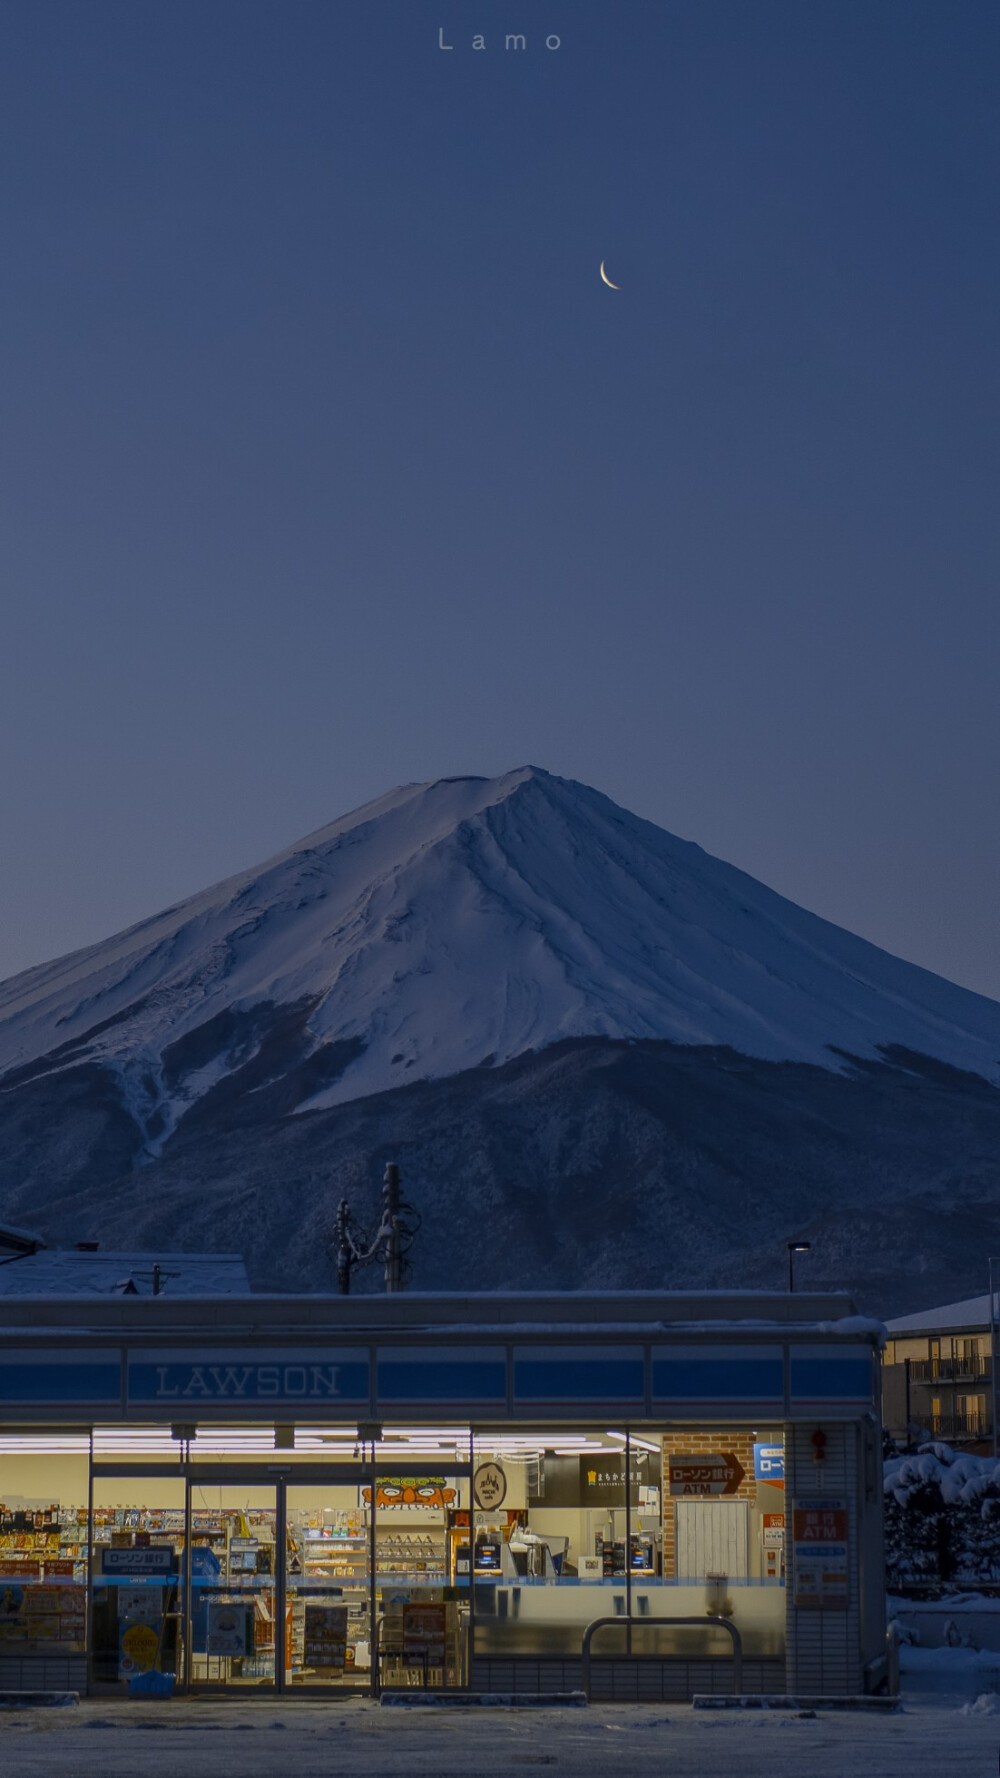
(948, 1726)
(470, 921)
(926, 1739)
(962, 1674)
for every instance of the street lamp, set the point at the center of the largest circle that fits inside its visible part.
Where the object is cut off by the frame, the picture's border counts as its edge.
(795, 1247)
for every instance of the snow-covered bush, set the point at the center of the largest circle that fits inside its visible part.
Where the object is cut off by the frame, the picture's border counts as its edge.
(942, 1517)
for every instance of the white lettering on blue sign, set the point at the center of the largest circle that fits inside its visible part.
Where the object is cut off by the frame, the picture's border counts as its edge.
(155, 1559)
(769, 1463)
(216, 1382)
(240, 1380)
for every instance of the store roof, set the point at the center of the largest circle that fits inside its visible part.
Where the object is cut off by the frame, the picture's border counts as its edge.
(71, 1272)
(973, 1311)
(14, 1240)
(748, 1315)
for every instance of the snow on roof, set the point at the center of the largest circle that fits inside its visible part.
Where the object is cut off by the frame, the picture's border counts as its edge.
(973, 1311)
(65, 1272)
(19, 1240)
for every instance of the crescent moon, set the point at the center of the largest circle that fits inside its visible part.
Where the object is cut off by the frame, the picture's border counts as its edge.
(607, 280)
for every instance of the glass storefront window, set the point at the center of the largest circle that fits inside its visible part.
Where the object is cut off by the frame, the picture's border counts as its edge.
(421, 1567)
(137, 1618)
(722, 1529)
(551, 1537)
(234, 1575)
(393, 1564)
(562, 1536)
(328, 1619)
(43, 1552)
(311, 1543)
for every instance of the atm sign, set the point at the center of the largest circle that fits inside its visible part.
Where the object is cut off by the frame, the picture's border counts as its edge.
(818, 1523)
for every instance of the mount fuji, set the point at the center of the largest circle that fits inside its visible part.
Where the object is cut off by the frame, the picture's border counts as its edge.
(557, 1016)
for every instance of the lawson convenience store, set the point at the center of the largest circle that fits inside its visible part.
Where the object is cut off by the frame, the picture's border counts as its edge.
(504, 1493)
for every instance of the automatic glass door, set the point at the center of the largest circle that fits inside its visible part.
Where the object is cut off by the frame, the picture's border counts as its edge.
(328, 1580)
(280, 1577)
(234, 1617)
(232, 1577)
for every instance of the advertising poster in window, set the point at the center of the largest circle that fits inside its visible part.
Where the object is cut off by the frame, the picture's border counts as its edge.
(819, 1545)
(140, 1605)
(424, 1629)
(414, 1492)
(325, 1641)
(13, 1626)
(138, 1649)
(230, 1628)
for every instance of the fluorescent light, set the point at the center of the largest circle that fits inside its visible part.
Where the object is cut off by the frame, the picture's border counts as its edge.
(13, 1444)
(644, 1444)
(444, 1444)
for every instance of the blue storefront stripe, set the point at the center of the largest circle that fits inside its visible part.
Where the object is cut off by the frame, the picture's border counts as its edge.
(234, 1377)
(412, 1377)
(732, 1374)
(267, 1377)
(837, 1378)
(739, 1380)
(604, 1375)
(63, 1378)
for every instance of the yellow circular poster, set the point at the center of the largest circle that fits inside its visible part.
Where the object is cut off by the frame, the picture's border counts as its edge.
(141, 1645)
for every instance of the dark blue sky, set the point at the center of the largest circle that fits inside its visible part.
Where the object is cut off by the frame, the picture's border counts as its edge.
(328, 462)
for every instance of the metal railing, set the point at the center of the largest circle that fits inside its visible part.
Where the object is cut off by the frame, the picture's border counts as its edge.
(390, 1651)
(646, 1623)
(972, 1425)
(969, 1369)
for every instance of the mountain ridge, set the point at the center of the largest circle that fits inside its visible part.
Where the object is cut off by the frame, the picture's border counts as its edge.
(600, 1056)
(469, 920)
(591, 1164)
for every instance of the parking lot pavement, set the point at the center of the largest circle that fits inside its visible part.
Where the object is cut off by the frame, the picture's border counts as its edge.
(357, 1739)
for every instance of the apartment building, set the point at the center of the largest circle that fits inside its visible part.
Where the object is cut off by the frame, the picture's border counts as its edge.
(937, 1378)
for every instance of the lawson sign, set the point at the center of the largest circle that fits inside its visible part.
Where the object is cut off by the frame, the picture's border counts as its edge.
(769, 1463)
(241, 1376)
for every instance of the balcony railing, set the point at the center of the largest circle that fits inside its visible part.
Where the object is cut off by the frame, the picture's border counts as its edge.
(948, 1426)
(951, 1370)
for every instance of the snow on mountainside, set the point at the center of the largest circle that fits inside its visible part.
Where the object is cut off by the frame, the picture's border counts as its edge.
(463, 922)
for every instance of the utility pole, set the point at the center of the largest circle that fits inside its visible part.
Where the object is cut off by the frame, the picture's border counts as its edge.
(344, 1246)
(392, 1225)
(397, 1229)
(993, 1352)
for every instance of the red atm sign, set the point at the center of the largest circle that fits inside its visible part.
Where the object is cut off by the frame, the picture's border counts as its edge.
(819, 1554)
(817, 1523)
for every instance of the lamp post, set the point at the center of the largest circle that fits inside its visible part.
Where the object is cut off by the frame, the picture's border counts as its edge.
(795, 1247)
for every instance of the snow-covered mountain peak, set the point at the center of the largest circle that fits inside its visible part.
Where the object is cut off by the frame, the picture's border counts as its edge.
(462, 922)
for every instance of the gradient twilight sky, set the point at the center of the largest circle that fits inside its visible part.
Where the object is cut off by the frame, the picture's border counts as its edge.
(327, 462)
